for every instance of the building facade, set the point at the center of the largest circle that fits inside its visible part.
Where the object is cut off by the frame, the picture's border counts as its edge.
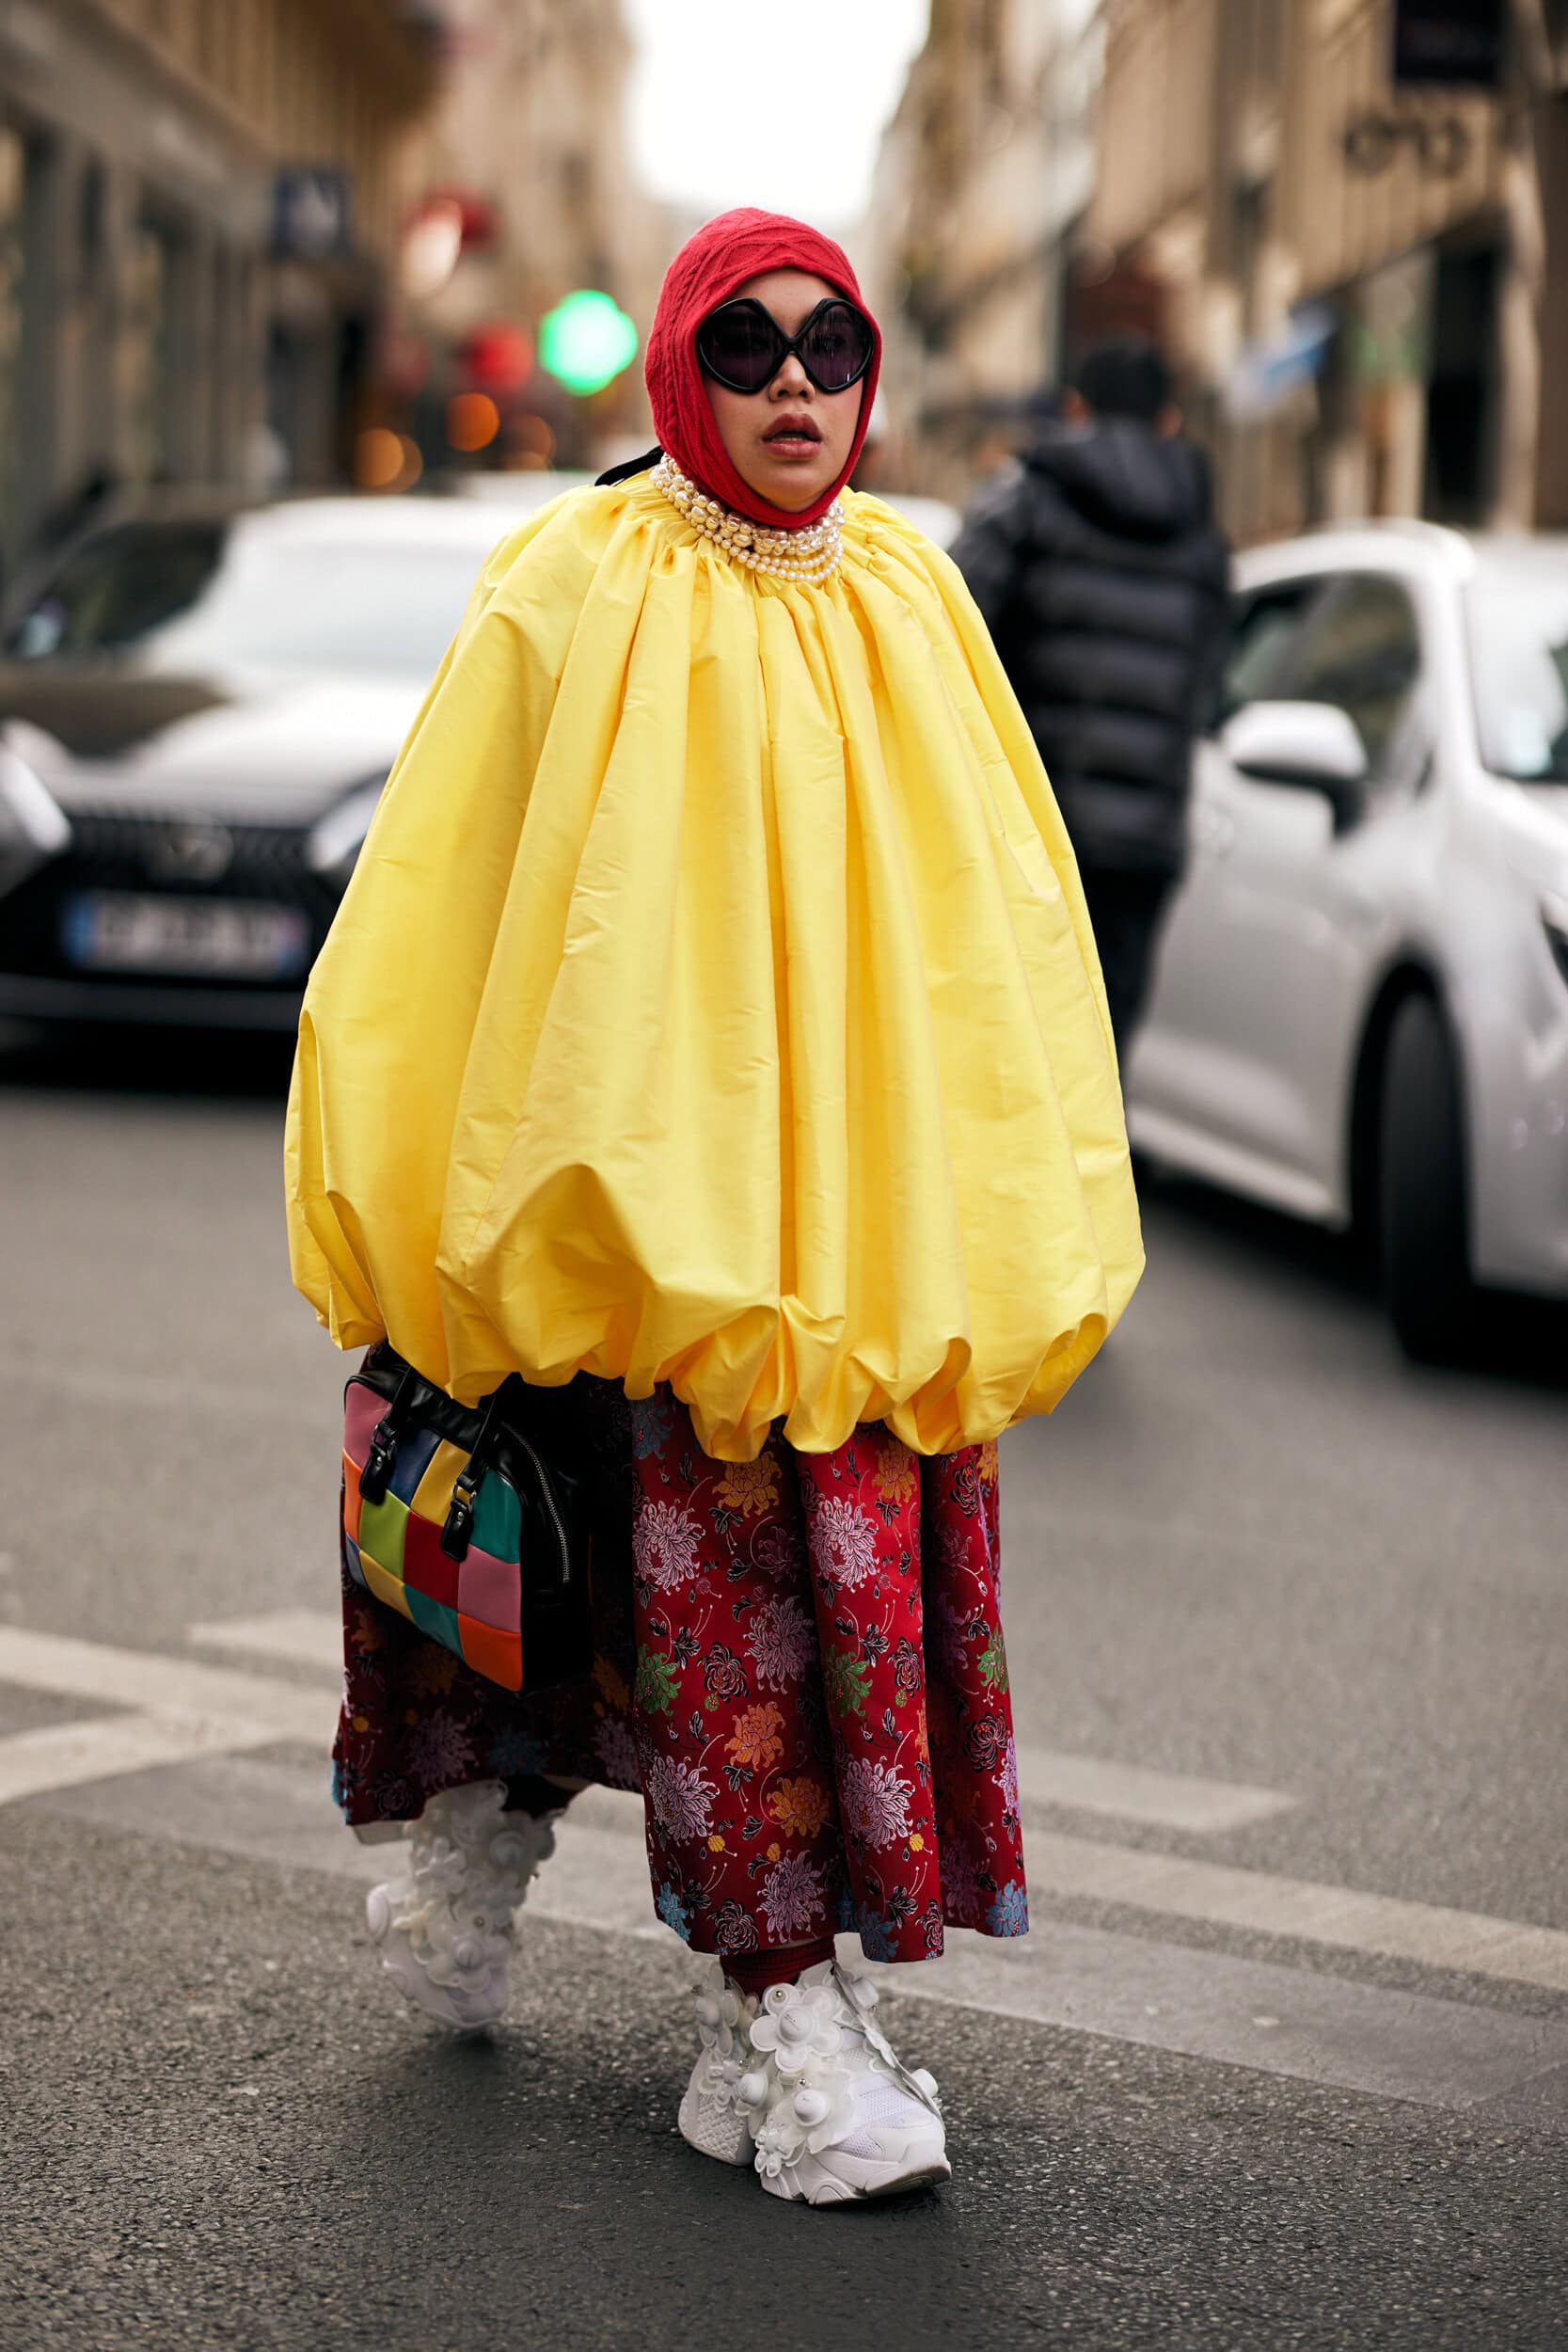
(527, 151)
(982, 176)
(1363, 279)
(197, 207)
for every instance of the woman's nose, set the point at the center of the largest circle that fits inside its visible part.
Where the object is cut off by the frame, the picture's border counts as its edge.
(792, 379)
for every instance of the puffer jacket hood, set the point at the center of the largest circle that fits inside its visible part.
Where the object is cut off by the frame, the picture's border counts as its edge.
(1127, 479)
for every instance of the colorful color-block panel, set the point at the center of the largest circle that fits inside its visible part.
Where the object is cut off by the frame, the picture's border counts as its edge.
(410, 1463)
(498, 1520)
(440, 1624)
(425, 1566)
(432, 1498)
(384, 1587)
(498, 1655)
(497, 1515)
(363, 1413)
(382, 1527)
(352, 1561)
(351, 1497)
(488, 1590)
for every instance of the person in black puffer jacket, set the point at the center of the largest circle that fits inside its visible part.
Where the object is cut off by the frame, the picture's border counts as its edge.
(1105, 582)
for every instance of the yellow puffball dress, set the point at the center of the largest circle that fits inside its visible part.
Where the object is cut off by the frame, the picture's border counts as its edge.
(714, 1003)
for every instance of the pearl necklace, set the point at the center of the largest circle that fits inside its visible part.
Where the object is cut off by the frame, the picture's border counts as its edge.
(809, 555)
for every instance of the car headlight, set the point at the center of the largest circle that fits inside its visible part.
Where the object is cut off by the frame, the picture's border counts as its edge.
(33, 826)
(337, 840)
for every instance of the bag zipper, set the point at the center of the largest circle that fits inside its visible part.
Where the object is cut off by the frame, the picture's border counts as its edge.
(551, 1504)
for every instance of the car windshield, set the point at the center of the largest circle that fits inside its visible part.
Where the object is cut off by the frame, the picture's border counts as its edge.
(255, 590)
(1518, 623)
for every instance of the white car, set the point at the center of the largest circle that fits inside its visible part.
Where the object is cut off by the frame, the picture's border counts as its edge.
(1360, 1009)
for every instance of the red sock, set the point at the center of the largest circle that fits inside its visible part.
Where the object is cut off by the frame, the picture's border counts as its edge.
(754, 1972)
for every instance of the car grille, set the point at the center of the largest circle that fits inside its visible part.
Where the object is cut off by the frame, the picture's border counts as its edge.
(113, 847)
(142, 849)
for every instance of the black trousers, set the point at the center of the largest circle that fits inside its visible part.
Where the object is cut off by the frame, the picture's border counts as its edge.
(1126, 910)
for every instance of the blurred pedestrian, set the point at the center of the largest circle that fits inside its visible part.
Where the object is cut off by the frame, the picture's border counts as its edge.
(709, 1036)
(1104, 582)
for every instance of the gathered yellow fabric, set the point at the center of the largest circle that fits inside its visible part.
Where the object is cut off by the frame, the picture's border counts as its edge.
(714, 1002)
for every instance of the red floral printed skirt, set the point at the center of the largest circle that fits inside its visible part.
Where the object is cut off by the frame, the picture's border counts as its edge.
(798, 1662)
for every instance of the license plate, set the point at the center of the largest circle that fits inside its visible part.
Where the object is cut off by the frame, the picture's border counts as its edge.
(123, 931)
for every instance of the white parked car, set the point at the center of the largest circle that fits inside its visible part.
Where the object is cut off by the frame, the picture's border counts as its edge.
(1360, 1012)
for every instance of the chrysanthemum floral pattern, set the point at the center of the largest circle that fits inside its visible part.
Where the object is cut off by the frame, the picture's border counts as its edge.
(665, 1544)
(781, 1640)
(799, 1662)
(843, 1539)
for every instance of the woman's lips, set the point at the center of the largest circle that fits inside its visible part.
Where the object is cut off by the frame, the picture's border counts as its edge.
(794, 439)
(792, 447)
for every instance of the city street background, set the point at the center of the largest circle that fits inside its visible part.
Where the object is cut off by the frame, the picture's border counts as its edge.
(308, 293)
(1285, 1618)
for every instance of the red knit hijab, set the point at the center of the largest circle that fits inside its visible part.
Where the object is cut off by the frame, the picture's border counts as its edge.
(706, 271)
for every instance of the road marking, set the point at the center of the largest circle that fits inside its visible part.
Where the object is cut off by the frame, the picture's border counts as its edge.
(1340, 1916)
(258, 1710)
(154, 1684)
(1131, 1793)
(63, 1756)
(1245, 2012)
(1048, 1778)
(1277, 2020)
(305, 1637)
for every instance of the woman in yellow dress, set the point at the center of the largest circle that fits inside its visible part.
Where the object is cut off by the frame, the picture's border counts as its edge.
(712, 1035)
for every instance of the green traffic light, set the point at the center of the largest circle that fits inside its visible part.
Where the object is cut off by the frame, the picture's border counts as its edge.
(586, 340)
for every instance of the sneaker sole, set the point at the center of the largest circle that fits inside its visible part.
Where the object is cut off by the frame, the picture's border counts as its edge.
(473, 2013)
(814, 2184)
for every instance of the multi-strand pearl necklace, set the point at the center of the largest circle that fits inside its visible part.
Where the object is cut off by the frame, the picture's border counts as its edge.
(810, 555)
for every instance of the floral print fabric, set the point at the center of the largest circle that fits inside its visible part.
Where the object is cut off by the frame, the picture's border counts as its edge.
(798, 1661)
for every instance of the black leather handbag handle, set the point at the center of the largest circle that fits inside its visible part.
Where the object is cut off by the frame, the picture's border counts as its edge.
(458, 1529)
(491, 1434)
(382, 1456)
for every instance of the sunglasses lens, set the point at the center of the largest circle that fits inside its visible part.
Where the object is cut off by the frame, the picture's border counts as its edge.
(740, 345)
(837, 347)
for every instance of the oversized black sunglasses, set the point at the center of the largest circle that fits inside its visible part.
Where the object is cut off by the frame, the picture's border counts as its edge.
(743, 346)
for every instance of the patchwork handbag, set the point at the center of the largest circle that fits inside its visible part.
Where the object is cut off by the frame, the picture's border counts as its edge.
(453, 1516)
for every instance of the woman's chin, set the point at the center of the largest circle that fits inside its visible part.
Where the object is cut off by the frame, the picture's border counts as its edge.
(789, 483)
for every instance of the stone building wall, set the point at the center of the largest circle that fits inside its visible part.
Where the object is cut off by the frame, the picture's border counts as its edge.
(1358, 280)
(981, 174)
(197, 207)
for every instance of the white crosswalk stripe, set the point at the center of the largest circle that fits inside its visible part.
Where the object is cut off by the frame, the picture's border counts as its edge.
(1083, 1784)
(176, 1760)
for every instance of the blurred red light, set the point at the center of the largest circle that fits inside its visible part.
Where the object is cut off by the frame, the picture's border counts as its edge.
(498, 359)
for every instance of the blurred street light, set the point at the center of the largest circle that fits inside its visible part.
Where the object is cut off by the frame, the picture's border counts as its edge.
(473, 420)
(431, 244)
(586, 340)
(498, 359)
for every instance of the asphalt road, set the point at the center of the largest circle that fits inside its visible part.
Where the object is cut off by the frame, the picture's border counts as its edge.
(1284, 2063)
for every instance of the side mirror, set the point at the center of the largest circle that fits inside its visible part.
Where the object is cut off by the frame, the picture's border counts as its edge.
(1314, 746)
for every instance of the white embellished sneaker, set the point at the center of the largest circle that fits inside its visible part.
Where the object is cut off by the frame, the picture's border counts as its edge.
(710, 2117)
(834, 2114)
(446, 1929)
